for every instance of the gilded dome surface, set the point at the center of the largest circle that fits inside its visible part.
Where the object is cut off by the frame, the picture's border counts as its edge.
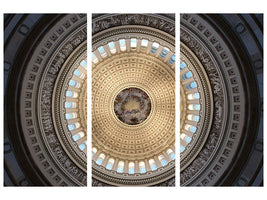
(133, 103)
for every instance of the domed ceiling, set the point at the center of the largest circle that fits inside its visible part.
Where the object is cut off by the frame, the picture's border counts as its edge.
(47, 89)
(218, 90)
(133, 99)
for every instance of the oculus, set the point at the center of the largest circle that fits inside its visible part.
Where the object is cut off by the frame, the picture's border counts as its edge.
(132, 106)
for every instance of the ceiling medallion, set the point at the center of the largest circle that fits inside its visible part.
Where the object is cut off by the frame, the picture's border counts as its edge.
(132, 106)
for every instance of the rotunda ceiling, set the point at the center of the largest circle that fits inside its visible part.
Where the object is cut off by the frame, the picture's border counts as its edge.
(214, 96)
(52, 99)
(133, 105)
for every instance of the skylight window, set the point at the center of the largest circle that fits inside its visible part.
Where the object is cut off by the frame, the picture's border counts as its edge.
(162, 160)
(187, 75)
(193, 96)
(131, 168)
(68, 93)
(164, 52)
(142, 167)
(102, 52)
(75, 137)
(83, 63)
(191, 85)
(67, 104)
(77, 72)
(144, 43)
(120, 167)
(82, 146)
(78, 136)
(112, 47)
(154, 47)
(94, 58)
(182, 65)
(133, 43)
(71, 115)
(196, 118)
(171, 154)
(71, 127)
(100, 159)
(188, 139)
(94, 150)
(110, 164)
(172, 59)
(152, 164)
(122, 45)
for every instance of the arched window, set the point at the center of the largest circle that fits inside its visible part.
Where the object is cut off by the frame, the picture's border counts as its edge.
(142, 167)
(83, 63)
(70, 105)
(154, 47)
(191, 85)
(190, 128)
(152, 164)
(182, 66)
(112, 47)
(171, 154)
(194, 107)
(186, 138)
(72, 115)
(164, 52)
(193, 96)
(94, 150)
(131, 168)
(82, 146)
(120, 167)
(144, 43)
(75, 84)
(162, 160)
(187, 75)
(94, 58)
(71, 94)
(100, 159)
(133, 43)
(102, 52)
(122, 45)
(193, 117)
(172, 59)
(79, 74)
(78, 136)
(74, 126)
(110, 164)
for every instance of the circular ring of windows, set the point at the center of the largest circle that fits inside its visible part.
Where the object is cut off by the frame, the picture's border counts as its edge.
(196, 106)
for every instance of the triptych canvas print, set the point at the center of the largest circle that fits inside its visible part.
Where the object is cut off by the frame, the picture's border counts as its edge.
(138, 100)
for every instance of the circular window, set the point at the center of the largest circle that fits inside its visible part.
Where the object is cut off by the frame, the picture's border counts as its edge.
(132, 106)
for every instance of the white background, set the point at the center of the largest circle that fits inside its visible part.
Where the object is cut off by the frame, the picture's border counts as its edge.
(123, 6)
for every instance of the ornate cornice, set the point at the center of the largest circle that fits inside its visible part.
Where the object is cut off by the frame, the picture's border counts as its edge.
(104, 22)
(38, 85)
(228, 100)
